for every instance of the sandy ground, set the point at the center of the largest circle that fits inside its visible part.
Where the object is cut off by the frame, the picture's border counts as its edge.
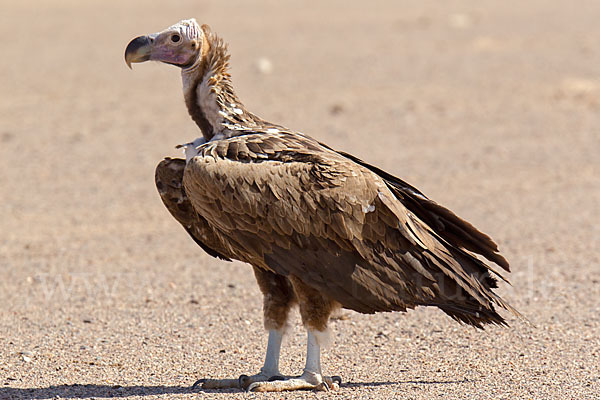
(491, 108)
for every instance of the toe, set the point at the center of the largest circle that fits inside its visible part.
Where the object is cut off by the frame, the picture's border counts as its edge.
(334, 382)
(220, 383)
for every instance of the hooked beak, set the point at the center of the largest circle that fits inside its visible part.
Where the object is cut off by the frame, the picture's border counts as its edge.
(139, 50)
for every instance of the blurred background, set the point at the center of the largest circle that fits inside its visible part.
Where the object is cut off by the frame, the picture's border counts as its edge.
(490, 108)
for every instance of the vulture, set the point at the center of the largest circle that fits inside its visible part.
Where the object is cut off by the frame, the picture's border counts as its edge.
(322, 229)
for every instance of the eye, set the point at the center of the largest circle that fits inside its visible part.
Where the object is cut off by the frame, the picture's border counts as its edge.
(175, 38)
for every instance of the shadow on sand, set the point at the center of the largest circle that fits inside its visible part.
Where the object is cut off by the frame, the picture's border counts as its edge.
(88, 391)
(115, 391)
(414, 382)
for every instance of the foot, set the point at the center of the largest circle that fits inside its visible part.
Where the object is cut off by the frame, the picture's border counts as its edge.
(307, 381)
(241, 383)
(216, 383)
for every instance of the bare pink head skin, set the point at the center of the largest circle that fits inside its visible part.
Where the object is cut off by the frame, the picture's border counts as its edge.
(179, 45)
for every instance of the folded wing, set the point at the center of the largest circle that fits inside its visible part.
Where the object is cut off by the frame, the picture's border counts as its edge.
(284, 202)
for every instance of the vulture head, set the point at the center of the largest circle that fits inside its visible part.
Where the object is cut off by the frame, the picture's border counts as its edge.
(181, 45)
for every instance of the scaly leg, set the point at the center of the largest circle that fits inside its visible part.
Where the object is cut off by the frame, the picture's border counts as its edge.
(278, 299)
(311, 378)
(269, 370)
(315, 309)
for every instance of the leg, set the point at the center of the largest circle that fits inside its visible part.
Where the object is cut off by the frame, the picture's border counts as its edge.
(315, 310)
(278, 299)
(270, 368)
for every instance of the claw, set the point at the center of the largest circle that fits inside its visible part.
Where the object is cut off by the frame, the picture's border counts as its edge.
(243, 380)
(337, 379)
(322, 387)
(199, 381)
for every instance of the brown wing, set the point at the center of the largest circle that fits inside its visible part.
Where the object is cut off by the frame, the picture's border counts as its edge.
(285, 203)
(169, 182)
(448, 225)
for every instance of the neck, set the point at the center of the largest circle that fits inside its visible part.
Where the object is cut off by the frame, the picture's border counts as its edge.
(209, 95)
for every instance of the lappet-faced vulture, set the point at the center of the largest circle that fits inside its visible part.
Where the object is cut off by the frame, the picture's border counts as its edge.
(321, 228)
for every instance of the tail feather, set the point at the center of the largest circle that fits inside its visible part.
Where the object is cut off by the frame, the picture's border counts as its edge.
(474, 315)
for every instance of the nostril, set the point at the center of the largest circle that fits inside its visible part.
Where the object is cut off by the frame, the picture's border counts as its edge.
(151, 40)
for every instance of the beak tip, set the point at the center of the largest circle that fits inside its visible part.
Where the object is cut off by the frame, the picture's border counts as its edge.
(138, 50)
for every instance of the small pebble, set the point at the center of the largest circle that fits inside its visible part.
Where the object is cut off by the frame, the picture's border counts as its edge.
(336, 109)
(460, 21)
(264, 65)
